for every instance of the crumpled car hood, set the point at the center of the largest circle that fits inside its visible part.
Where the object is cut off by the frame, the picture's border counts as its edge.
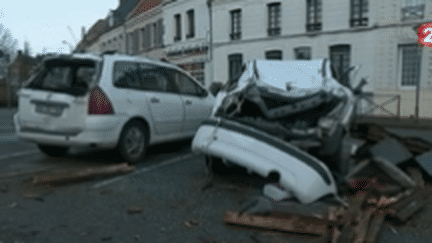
(287, 78)
(270, 117)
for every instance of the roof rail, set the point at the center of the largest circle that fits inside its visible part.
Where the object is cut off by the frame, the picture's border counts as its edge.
(111, 52)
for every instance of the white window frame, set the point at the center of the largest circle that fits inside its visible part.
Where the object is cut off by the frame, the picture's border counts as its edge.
(400, 68)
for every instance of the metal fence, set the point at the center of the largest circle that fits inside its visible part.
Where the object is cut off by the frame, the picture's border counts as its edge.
(379, 105)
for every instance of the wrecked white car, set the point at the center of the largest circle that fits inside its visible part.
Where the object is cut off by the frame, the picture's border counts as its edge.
(276, 119)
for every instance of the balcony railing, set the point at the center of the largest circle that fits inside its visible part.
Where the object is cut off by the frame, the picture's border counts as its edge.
(235, 36)
(313, 27)
(273, 31)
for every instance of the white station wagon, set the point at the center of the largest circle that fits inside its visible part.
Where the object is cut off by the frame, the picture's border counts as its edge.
(109, 101)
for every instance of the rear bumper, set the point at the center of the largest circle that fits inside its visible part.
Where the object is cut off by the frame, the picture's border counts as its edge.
(102, 131)
(300, 173)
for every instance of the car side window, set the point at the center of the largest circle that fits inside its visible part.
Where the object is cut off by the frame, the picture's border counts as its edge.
(186, 85)
(126, 75)
(156, 78)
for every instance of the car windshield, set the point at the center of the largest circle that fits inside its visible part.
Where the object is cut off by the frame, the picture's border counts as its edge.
(65, 76)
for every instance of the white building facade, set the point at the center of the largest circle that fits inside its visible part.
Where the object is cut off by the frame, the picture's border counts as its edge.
(187, 37)
(377, 35)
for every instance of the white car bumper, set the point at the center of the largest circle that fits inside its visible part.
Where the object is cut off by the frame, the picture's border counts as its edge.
(300, 173)
(101, 131)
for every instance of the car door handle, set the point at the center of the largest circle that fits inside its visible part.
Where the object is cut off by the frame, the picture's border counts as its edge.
(188, 102)
(154, 100)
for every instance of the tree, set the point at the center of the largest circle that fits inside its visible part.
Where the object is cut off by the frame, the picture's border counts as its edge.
(8, 45)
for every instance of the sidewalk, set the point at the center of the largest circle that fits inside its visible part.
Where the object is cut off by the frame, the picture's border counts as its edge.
(6, 117)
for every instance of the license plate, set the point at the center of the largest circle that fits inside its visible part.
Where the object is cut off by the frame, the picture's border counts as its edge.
(53, 110)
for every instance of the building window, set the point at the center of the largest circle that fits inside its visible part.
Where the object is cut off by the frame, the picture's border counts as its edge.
(274, 19)
(303, 53)
(146, 40)
(314, 15)
(410, 64)
(235, 24)
(359, 13)
(235, 62)
(191, 23)
(195, 69)
(340, 56)
(412, 9)
(177, 34)
(273, 55)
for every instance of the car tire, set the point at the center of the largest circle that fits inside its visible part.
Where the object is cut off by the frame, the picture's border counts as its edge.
(53, 151)
(216, 166)
(132, 143)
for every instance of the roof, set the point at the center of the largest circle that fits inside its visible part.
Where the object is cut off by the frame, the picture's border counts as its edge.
(124, 9)
(144, 6)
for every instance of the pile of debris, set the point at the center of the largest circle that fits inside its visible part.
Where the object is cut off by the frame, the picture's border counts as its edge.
(386, 184)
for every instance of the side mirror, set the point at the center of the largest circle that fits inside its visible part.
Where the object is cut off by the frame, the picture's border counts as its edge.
(203, 93)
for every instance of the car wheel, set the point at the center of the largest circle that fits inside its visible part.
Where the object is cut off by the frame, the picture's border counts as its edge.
(216, 166)
(53, 151)
(133, 142)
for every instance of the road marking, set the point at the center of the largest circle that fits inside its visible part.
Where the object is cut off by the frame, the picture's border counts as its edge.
(146, 169)
(19, 154)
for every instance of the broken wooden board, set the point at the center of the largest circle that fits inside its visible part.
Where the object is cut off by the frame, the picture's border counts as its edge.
(291, 224)
(375, 227)
(354, 209)
(362, 228)
(82, 174)
(410, 205)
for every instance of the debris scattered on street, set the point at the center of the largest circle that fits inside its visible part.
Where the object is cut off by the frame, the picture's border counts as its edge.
(70, 176)
(378, 190)
(4, 187)
(33, 196)
(13, 205)
(132, 210)
(292, 224)
(191, 223)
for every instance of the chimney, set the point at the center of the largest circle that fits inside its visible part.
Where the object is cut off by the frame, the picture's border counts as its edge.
(83, 30)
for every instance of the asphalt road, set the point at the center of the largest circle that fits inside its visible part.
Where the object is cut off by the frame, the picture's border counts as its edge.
(167, 185)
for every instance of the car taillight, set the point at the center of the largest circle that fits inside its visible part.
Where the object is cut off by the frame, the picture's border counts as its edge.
(99, 103)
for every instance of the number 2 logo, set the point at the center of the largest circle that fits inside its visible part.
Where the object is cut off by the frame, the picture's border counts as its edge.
(425, 34)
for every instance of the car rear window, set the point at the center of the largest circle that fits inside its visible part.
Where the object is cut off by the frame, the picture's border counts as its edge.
(68, 76)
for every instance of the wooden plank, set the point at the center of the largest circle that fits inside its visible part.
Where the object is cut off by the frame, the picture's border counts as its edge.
(354, 209)
(409, 196)
(362, 228)
(292, 224)
(412, 208)
(74, 175)
(346, 236)
(375, 227)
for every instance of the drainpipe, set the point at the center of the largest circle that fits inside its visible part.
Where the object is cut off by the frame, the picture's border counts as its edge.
(417, 98)
(209, 5)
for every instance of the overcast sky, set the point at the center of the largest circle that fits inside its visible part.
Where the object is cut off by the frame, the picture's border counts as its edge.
(44, 23)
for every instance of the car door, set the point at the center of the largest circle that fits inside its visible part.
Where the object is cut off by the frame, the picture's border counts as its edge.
(162, 97)
(196, 102)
